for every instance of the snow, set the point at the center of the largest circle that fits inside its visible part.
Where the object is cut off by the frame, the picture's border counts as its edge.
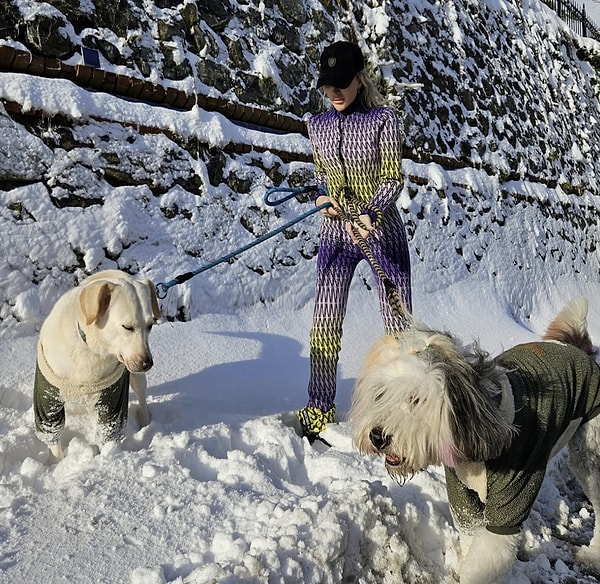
(592, 9)
(220, 488)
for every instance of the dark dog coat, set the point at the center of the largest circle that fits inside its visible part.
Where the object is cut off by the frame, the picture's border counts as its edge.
(49, 402)
(556, 388)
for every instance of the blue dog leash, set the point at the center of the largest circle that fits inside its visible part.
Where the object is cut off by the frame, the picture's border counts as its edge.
(163, 287)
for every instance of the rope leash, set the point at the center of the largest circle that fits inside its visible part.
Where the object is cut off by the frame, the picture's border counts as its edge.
(352, 216)
(163, 287)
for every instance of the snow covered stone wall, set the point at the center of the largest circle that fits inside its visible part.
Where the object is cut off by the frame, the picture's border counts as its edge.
(505, 87)
(508, 104)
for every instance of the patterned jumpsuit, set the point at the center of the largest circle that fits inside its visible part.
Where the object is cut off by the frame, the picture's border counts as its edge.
(357, 153)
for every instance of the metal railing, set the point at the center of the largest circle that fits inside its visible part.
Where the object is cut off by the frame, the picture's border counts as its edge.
(575, 16)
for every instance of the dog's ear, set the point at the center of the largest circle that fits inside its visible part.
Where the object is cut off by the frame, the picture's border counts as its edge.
(153, 299)
(94, 300)
(476, 396)
(479, 430)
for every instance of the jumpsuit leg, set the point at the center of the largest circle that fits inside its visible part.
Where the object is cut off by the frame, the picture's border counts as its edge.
(336, 264)
(390, 250)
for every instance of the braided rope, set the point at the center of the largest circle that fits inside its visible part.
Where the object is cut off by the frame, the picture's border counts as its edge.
(355, 211)
(352, 216)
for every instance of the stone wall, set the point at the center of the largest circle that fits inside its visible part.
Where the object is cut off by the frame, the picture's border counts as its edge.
(501, 91)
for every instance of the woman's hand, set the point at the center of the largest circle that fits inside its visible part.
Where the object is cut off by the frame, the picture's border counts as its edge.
(364, 231)
(330, 211)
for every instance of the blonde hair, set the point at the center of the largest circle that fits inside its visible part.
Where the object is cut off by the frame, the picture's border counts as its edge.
(369, 94)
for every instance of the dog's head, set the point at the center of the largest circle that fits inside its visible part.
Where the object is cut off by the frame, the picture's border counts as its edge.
(118, 313)
(423, 399)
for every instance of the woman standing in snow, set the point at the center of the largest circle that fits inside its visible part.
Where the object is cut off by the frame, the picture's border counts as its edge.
(357, 149)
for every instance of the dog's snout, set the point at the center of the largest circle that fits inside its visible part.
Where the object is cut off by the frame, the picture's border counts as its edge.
(378, 439)
(138, 365)
(146, 363)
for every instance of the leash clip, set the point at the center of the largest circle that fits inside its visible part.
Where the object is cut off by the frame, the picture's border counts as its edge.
(293, 191)
(161, 290)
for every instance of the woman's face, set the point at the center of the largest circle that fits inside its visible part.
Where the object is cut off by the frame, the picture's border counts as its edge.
(341, 98)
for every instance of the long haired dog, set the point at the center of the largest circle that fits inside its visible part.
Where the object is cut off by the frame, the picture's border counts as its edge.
(425, 399)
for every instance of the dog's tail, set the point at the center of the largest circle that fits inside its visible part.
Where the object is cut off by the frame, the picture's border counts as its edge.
(570, 326)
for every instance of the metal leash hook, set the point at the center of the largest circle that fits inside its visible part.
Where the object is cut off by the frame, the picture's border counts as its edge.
(163, 287)
(293, 191)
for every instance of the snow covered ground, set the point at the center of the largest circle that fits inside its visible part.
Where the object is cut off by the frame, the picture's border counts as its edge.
(220, 488)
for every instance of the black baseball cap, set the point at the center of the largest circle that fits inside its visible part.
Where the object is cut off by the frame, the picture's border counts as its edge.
(340, 62)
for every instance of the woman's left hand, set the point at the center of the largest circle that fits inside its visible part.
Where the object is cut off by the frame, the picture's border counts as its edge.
(363, 231)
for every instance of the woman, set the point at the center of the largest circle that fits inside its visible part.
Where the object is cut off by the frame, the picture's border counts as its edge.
(357, 149)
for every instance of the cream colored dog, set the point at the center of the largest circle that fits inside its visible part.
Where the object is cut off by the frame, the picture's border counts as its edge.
(94, 343)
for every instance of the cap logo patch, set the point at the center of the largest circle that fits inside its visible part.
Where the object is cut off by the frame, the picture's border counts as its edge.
(331, 61)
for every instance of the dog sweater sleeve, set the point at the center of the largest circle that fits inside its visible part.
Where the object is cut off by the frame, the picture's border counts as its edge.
(465, 505)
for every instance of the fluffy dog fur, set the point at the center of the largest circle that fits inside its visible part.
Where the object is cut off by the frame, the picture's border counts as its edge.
(425, 399)
(94, 334)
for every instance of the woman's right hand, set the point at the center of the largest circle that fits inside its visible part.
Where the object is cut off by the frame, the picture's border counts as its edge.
(330, 211)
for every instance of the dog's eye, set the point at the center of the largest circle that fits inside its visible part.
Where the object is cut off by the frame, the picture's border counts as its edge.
(128, 328)
(414, 401)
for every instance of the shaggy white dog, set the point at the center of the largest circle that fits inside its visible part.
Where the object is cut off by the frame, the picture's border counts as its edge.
(425, 399)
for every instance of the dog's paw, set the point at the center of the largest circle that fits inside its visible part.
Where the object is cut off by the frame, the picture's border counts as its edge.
(55, 453)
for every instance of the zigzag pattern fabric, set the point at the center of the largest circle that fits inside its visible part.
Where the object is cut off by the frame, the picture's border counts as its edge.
(358, 154)
(315, 420)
